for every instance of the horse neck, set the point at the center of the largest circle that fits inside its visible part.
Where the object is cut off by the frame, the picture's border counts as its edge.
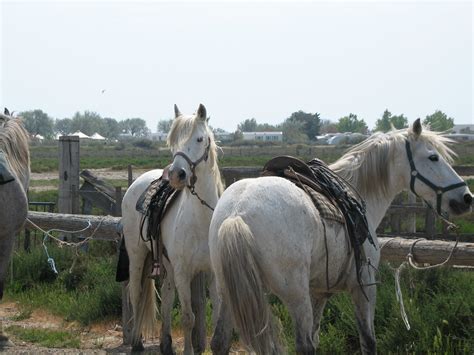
(205, 187)
(378, 202)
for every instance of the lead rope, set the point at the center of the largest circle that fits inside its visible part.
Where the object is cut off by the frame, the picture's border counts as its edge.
(410, 261)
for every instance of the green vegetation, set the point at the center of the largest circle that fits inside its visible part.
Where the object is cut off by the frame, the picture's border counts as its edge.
(438, 302)
(46, 337)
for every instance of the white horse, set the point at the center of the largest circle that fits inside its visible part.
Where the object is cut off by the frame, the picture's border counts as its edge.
(14, 182)
(266, 234)
(184, 231)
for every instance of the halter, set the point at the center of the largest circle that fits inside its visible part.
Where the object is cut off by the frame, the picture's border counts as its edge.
(437, 189)
(192, 166)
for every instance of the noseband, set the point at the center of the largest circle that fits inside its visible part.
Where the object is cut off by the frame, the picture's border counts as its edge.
(437, 189)
(192, 166)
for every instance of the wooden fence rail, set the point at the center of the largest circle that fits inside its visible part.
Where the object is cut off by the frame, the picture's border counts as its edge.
(395, 248)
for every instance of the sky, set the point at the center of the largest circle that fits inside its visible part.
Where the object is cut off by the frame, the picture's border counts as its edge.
(261, 60)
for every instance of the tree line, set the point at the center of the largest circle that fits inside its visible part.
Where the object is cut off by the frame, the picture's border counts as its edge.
(88, 122)
(300, 126)
(303, 126)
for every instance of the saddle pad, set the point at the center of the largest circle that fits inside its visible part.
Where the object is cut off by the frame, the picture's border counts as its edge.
(326, 208)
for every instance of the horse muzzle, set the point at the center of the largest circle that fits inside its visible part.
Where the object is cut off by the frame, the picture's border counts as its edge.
(177, 178)
(464, 205)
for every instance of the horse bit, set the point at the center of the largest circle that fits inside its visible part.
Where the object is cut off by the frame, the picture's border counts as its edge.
(192, 166)
(439, 190)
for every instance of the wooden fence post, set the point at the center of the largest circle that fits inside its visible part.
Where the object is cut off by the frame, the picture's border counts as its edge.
(118, 201)
(130, 174)
(411, 220)
(430, 223)
(68, 199)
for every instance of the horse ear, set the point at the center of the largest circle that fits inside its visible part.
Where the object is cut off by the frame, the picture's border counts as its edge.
(417, 128)
(201, 112)
(6, 112)
(176, 111)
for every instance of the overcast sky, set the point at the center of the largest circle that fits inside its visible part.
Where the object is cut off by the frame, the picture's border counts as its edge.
(241, 60)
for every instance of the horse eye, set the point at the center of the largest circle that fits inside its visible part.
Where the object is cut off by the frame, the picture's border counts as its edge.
(200, 139)
(433, 157)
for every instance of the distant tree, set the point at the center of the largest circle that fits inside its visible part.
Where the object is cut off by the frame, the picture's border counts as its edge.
(267, 127)
(134, 126)
(164, 125)
(439, 121)
(385, 123)
(310, 123)
(352, 124)
(110, 128)
(88, 122)
(327, 126)
(249, 125)
(63, 126)
(238, 135)
(38, 122)
(293, 131)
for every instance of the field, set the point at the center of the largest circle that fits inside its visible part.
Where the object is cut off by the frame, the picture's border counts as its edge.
(439, 302)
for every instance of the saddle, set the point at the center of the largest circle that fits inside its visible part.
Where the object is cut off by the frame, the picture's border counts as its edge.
(153, 204)
(335, 198)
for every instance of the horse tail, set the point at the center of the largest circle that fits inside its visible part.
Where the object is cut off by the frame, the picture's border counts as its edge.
(145, 318)
(243, 286)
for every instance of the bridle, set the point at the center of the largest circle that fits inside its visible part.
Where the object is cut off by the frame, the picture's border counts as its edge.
(192, 166)
(439, 190)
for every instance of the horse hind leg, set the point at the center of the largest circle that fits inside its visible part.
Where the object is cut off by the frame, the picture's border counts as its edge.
(167, 300)
(364, 312)
(142, 297)
(300, 309)
(319, 303)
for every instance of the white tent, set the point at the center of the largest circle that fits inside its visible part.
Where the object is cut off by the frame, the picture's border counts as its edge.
(97, 136)
(80, 134)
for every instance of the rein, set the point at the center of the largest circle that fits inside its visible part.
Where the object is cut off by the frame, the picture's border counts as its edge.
(439, 190)
(192, 166)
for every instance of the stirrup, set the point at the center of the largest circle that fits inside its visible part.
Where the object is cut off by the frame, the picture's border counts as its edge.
(155, 271)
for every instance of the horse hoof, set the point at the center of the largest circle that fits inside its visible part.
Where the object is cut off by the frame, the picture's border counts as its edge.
(5, 342)
(166, 346)
(138, 348)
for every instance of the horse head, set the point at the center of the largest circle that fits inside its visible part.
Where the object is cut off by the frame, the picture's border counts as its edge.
(190, 141)
(430, 174)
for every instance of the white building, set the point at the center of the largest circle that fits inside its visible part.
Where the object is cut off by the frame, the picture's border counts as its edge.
(223, 136)
(158, 136)
(263, 136)
(463, 128)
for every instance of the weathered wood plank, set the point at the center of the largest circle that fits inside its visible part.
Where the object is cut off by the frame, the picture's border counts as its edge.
(394, 249)
(98, 183)
(108, 225)
(427, 251)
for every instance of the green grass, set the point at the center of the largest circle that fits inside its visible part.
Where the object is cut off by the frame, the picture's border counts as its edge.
(438, 302)
(46, 337)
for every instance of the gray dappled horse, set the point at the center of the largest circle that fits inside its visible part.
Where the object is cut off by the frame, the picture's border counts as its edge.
(267, 235)
(14, 181)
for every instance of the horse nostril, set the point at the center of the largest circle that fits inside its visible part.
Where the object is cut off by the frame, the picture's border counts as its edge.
(468, 199)
(182, 174)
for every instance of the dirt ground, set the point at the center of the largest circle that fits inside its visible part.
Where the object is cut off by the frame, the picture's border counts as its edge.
(100, 338)
(102, 173)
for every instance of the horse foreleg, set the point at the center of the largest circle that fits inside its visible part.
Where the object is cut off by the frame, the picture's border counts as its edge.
(167, 300)
(319, 303)
(215, 301)
(183, 285)
(364, 312)
(198, 304)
